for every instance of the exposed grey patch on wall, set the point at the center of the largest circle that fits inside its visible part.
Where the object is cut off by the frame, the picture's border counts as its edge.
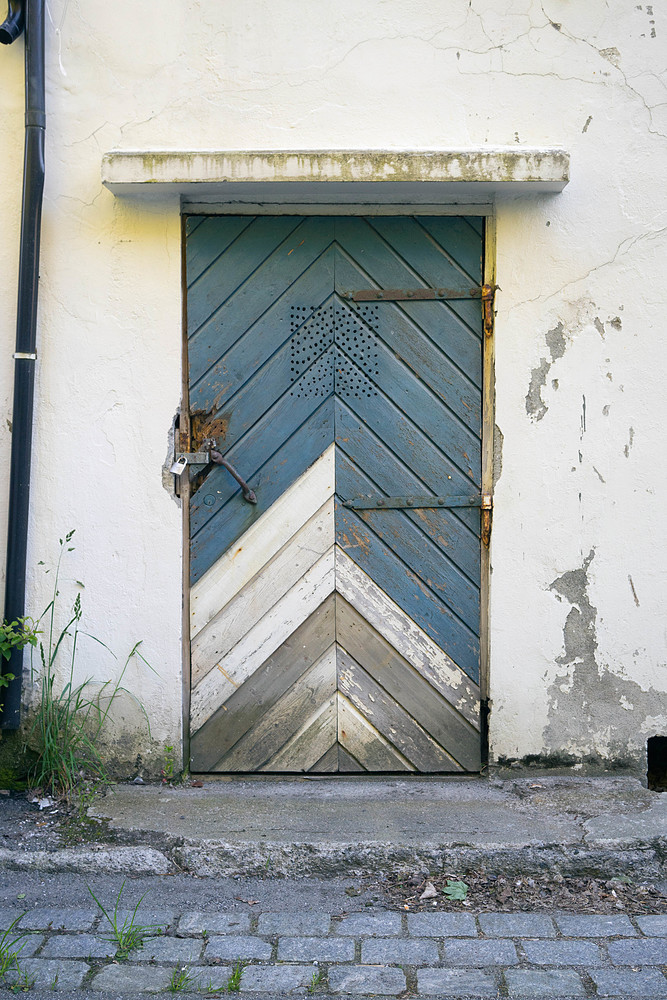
(555, 339)
(599, 475)
(498, 442)
(599, 326)
(168, 478)
(593, 711)
(588, 121)
(616, 323)
(628, 447)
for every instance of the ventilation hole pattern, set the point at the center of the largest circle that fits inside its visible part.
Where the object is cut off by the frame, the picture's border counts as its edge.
(333, 349)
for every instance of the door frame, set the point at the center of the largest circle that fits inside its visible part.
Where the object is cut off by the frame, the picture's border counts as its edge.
(182, 432)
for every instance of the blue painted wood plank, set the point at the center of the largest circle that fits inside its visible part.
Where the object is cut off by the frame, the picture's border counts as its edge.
(405, 588)
(256, 296)
(413, 399)
(413, 547)
(283, 468)
(365, 261)
(259, 345)
(253, 246)
(406, 337)
(208, 237)
(459, 241)
(414, 449)
(390, 477)
(426, 258)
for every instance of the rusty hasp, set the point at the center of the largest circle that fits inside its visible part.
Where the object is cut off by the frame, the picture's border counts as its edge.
(218, 459)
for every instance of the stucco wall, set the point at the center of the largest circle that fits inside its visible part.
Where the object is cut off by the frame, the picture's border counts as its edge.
(577, 587)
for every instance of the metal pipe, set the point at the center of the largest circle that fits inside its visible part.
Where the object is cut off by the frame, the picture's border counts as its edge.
(32, 11)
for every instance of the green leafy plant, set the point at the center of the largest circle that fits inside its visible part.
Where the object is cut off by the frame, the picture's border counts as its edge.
(317, 980)
(15, 635)
(455, 890)
(181, 980)
(68, 722)
(11, 973)
(129, 935)
(168, 769)
(234, 981)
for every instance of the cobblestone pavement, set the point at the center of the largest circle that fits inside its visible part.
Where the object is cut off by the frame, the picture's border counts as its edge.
(383, 953)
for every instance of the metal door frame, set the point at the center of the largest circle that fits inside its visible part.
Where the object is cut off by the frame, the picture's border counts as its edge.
(488, 421)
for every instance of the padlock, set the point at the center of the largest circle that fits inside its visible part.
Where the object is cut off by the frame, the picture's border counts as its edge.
(179, 466)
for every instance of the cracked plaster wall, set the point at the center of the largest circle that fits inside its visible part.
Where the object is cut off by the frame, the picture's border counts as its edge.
(579, 380)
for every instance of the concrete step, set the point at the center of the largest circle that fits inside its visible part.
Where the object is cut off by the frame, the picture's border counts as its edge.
(362, 826)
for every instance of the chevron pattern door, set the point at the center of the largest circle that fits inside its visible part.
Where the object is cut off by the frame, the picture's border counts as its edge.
(328, 637)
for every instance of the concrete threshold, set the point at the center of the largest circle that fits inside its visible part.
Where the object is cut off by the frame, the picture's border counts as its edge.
(333, 826)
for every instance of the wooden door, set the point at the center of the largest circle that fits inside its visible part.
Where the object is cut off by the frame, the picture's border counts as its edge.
(335, 623)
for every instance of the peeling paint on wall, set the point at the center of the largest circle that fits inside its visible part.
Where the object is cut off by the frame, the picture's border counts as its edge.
(594, 712)
(498, 441)
(536, 408)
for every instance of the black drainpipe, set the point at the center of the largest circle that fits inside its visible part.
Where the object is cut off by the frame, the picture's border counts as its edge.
(28, 15)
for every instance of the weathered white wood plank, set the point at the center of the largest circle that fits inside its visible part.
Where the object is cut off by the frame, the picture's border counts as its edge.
(328, 762)
(263, 689)
(370, 748)
(287, 716)
(261, 541)
(261, 641)
(303, 750)
(389, 719)
(271, 583)
(407, 686)
(413, 644)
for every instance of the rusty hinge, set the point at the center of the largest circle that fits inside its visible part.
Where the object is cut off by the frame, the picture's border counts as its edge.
(414, 294)
(488, 296)
(487, 518)
(415, 503)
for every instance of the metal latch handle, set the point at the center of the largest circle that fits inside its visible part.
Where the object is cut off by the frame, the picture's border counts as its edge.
(218, 459)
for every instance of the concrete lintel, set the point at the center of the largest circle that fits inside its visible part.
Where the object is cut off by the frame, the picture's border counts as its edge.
(383, 175)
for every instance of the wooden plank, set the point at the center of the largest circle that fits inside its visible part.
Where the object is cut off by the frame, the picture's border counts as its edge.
(407, 687)
(285, 718)
(254, 297)
(328, 762)
(460, 240)
(212, 238)
(367, 746)
(263, 539)
(428, 358)
(257, 345)
(270, 482)
(346, 762)
(414, 400)
(389, 719)
(386, 269)
(434, 266)
(254, 245)
(409, 444)
(390, 476)
(309, 742)
(269, 585)
(226, 676)
(410, 544)
(404, 587)
(406, 637)
(260, 692)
